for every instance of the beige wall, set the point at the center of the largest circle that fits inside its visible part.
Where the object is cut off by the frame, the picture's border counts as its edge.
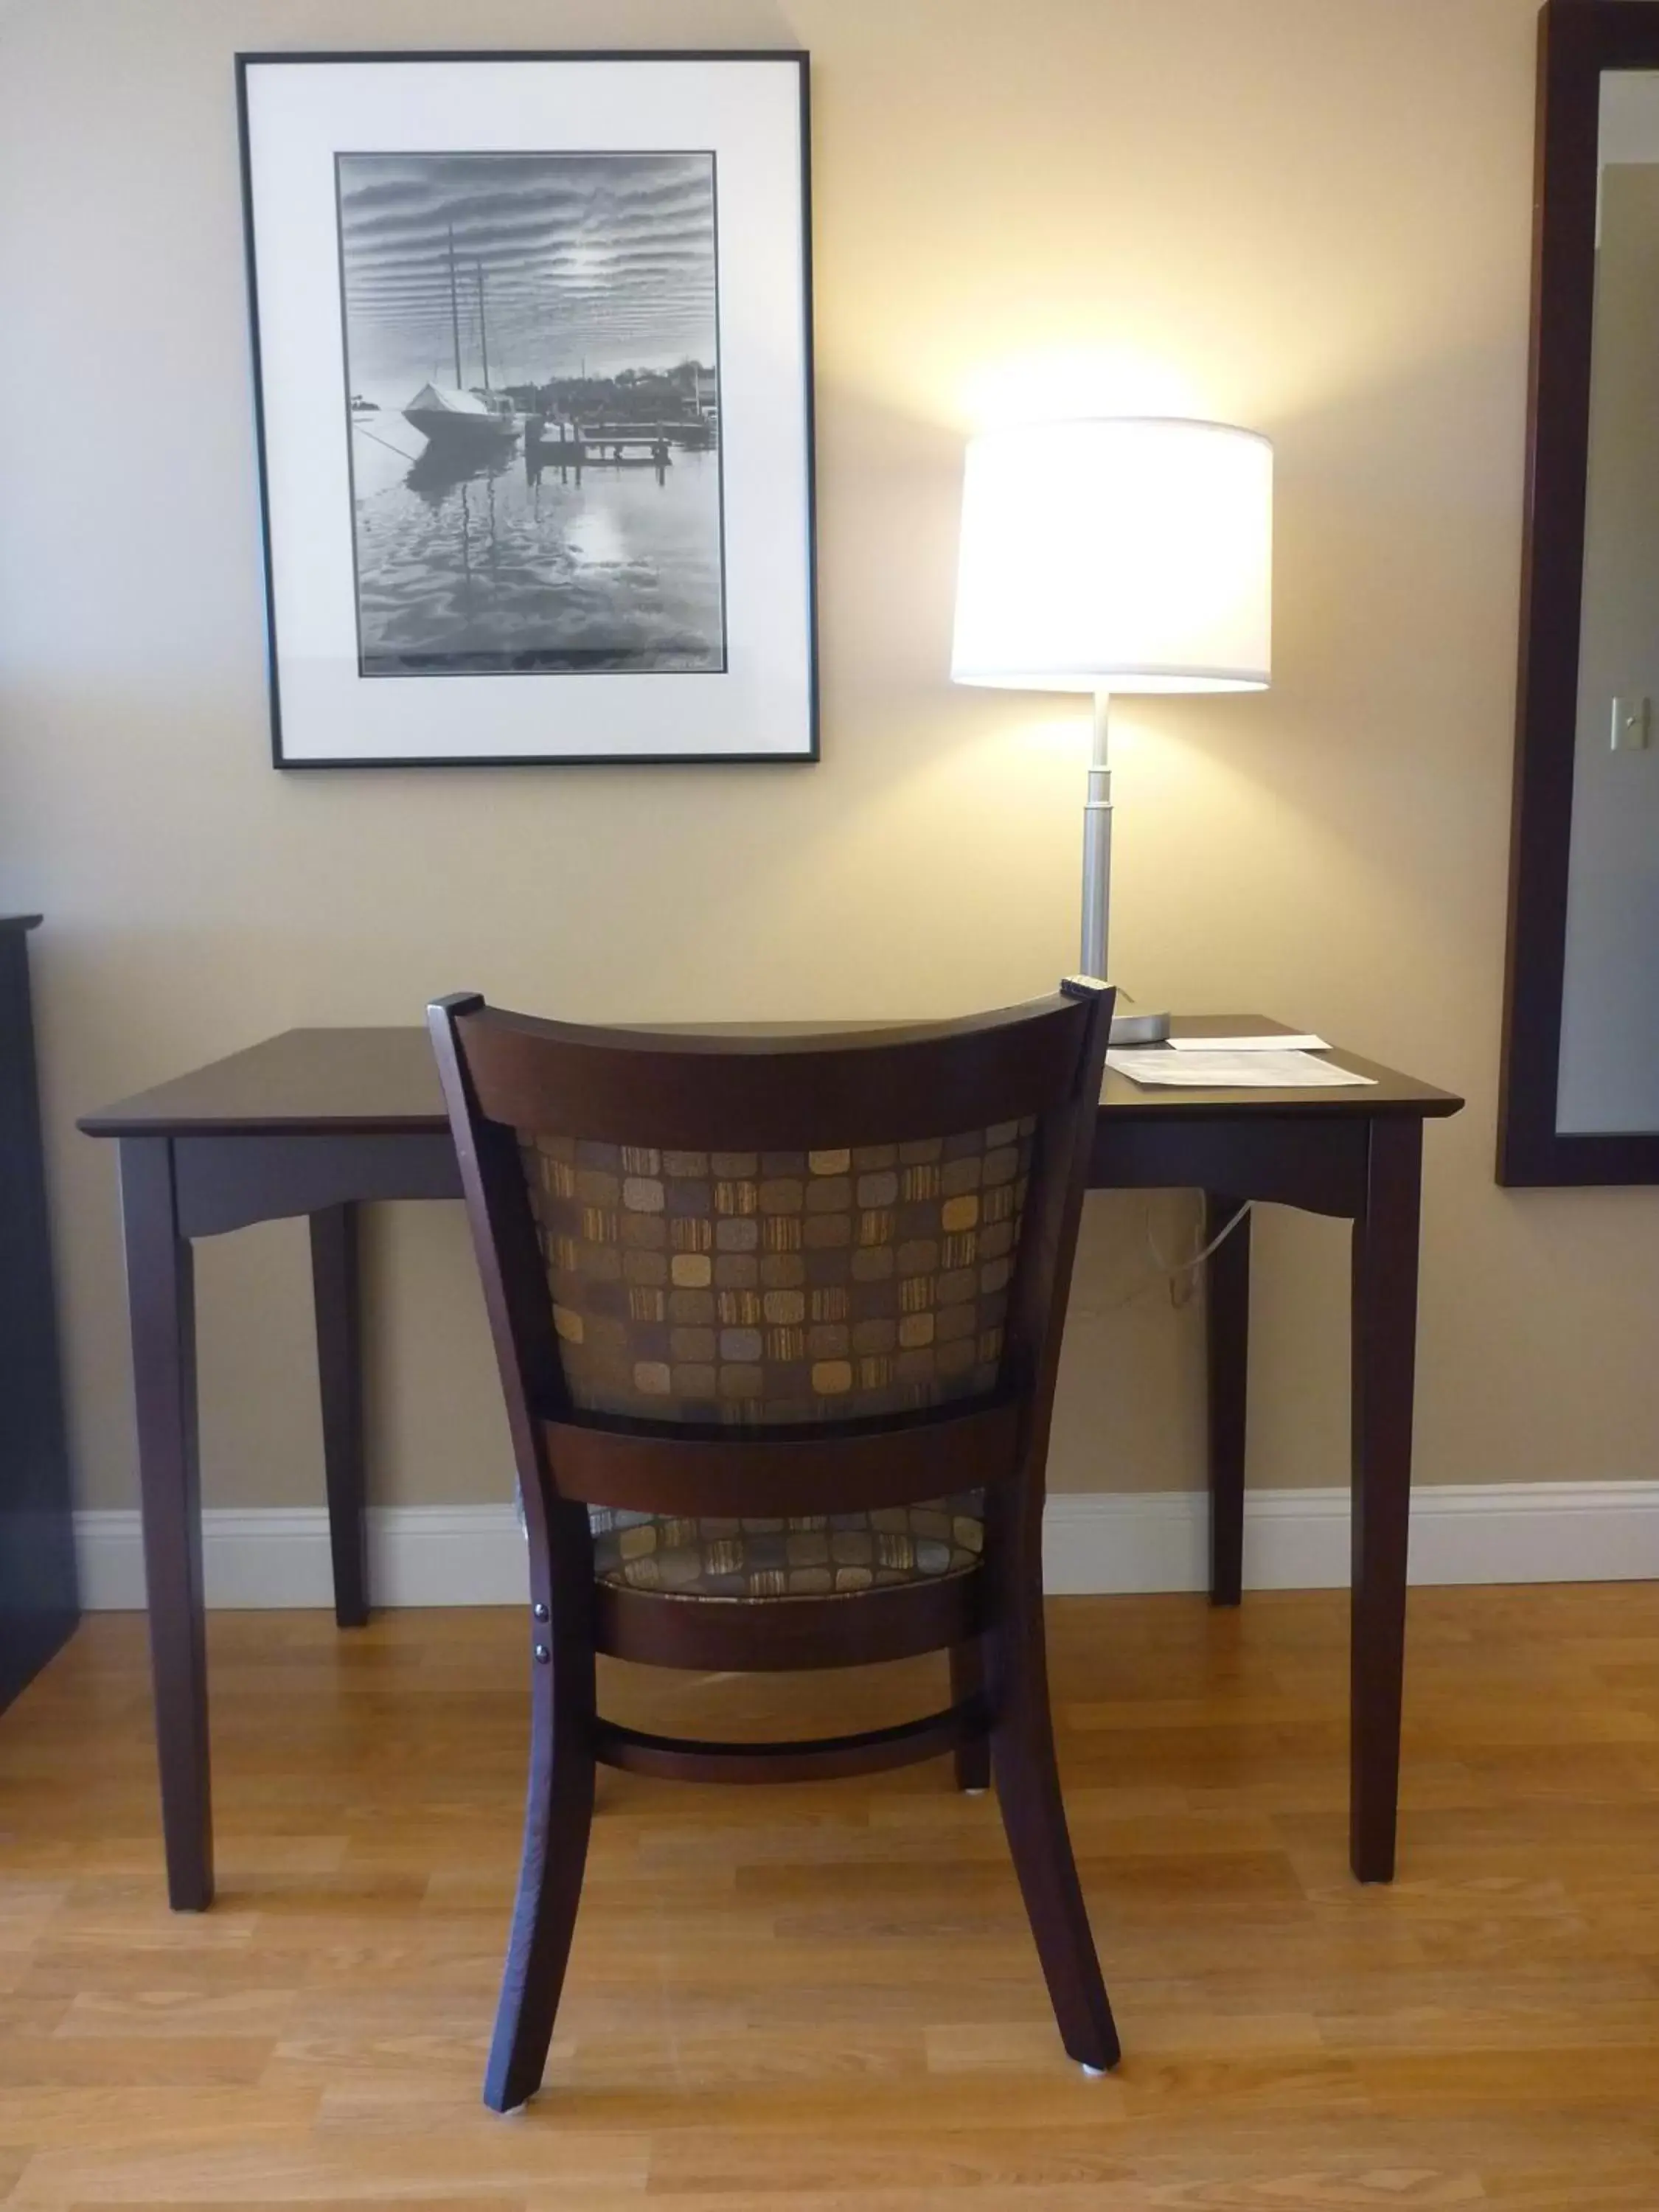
(1310, 216)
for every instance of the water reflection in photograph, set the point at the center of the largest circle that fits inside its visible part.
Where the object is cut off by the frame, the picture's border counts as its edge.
(525, 561)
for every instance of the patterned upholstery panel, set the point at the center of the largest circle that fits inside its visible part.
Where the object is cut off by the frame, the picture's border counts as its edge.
(820, 1557)
(780, 1287)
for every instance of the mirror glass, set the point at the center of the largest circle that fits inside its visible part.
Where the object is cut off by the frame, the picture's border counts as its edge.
(1609, 1063)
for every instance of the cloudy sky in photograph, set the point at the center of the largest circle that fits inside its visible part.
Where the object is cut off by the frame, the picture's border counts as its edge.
(603, 258)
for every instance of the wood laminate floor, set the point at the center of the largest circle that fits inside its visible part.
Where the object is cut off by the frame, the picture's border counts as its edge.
(825, 1998)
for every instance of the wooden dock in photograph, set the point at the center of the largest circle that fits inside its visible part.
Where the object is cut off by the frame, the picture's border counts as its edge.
(636, 445)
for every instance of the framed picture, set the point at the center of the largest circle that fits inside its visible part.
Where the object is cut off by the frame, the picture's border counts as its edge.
(533, 364)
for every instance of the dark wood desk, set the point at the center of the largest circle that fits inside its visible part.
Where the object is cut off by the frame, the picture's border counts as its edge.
(322, 1121)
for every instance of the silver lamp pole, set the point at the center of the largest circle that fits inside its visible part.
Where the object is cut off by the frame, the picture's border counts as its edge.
(1126, 1029)
(1097, 844)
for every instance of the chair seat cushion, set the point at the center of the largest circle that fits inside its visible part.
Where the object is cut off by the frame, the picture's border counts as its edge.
(822, 1555)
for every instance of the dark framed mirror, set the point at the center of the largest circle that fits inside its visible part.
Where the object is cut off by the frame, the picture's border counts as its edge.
(1580, 1090)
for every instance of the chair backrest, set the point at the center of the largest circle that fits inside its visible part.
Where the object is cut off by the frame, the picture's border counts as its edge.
(778, 1287)
(761, 1239)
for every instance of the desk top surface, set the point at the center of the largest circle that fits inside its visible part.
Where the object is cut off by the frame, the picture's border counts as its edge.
(383, 1081)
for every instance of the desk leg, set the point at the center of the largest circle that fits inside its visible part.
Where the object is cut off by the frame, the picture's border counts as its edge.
(161, 1303)
(1227, 1346)
(334, 1279)
(1385, 1241)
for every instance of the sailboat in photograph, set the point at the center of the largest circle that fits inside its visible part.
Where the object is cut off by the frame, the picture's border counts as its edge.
(459, 423)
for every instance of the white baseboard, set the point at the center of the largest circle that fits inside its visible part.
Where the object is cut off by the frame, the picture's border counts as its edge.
(278, 1555)
(1508, 1532)
(1498, 1531)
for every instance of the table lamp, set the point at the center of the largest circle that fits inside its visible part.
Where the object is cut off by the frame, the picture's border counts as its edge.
(1124, 553)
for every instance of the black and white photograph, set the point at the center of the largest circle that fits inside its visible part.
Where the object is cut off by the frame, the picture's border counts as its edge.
(532, 362)
(533, 353)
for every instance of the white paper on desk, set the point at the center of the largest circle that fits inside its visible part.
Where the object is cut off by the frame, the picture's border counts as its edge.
(1280, 1043)
(1158, 1064)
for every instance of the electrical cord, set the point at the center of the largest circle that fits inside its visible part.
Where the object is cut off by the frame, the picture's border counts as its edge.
(1178, 1275)
(1167, 1268)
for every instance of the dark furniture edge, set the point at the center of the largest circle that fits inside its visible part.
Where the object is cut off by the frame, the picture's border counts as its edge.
(39, 1595)
(114, 1123)
(145, 1113)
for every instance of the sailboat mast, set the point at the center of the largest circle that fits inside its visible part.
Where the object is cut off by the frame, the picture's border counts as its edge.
(454, 308)
(483, 335)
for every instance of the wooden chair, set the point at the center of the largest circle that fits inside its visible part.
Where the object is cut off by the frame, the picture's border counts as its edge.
(778, 1319)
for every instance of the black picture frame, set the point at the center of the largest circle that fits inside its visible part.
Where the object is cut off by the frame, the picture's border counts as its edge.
(807, 750)
(1577, 40)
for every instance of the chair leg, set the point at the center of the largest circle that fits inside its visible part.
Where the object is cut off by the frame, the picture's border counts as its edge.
(557, 1818)
(1034, 1817)
(973, 1761)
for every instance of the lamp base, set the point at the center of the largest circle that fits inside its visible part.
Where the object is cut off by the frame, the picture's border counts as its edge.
(1140, 1029)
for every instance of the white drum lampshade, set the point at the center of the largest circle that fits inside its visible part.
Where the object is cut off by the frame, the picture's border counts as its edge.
(1124, 554)
(1127, 553)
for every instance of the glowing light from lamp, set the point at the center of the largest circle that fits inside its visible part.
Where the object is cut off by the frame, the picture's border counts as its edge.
(1064, 383)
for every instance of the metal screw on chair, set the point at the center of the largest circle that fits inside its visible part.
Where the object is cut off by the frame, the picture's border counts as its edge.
(542, 1655)
(540, 1611)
